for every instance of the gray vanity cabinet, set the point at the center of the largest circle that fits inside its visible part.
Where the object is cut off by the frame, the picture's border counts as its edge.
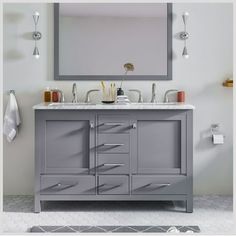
(113, 155)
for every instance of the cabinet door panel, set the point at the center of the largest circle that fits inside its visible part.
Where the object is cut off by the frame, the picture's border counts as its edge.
(160, 146)
(67, 146)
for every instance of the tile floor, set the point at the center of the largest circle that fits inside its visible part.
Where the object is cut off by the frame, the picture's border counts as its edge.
(213, 214)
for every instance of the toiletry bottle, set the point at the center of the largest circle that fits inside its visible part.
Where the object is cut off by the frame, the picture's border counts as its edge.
(47, 95)
(55, 95)
(181, 96)
(120, 91)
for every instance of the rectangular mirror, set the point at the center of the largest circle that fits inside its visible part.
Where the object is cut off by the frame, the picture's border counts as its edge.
(93, 41)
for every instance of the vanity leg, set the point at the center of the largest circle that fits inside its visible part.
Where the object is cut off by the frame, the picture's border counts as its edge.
(37, 205)
(189, 205)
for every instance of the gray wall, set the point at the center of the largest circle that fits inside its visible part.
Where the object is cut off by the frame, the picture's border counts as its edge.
(210, 47)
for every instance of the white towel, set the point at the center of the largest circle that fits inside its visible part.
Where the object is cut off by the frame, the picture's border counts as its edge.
(11, 119)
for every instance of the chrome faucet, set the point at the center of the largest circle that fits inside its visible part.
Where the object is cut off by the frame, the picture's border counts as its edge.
(87, 99)
(154, 93)
(166, 99)
(74, 93)
(140, 98)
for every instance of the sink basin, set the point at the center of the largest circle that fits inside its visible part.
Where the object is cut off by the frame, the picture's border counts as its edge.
(57, 104)
(70, 104)
(158, 103)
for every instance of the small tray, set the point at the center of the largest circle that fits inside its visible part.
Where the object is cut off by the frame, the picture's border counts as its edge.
(108, 102)
(228, 83)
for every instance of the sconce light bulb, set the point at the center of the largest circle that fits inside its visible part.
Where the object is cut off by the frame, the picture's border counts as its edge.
(36, 17)
(185, 53)
(186, 56)
(36, 53)
(36, 13)
(185, 17)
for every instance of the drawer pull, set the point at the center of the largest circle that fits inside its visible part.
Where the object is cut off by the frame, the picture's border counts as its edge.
(109, 187)
(113, 124)
(92, 125)
(157, 185)
(113, 144)
(113, 164)
(63, 186)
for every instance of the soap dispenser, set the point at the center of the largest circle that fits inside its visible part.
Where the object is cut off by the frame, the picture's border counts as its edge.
(47, 95)
(120, 92)
(55, 95)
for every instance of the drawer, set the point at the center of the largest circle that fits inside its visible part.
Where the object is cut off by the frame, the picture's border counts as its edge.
(113, 143)
(113, 185)
(67, 184)
(113, 163)
(163, 184)
(113, 124)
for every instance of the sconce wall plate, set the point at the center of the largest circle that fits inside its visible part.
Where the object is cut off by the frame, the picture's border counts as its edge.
(184, 35)
(36, 35)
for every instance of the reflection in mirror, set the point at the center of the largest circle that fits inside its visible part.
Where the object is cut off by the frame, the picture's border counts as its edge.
(94, 40)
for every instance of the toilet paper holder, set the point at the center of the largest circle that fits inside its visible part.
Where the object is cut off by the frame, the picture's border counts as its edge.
(215, 128)
(217, 136)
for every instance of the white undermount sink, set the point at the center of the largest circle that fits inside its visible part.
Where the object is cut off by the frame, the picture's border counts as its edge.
(132, 103)
(158, 103)
(70, 104)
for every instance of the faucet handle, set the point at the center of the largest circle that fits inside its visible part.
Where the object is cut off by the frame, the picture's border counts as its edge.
(74, 88)
(74, 93)
(154, 86)
(154, 99)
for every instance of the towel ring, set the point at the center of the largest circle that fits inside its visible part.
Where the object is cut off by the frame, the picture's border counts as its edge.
(12, 91)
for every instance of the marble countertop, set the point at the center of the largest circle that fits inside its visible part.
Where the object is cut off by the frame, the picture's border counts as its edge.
(130, 106)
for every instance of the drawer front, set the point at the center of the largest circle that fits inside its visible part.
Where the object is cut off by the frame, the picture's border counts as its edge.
(113, 143)
(113, 185)
(113, 124)
(113, 164)
(68, 185)
(159, 185)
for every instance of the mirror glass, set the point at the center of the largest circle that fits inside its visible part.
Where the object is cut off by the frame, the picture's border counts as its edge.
(93, 40)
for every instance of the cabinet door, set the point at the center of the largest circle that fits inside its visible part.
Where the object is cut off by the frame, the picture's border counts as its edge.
(161, 144)
(68, 145)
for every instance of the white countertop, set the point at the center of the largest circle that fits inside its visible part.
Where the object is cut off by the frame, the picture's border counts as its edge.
(131, 106)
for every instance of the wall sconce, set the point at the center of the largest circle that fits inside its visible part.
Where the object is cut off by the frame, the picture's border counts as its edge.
(36, 35)
(184, 35)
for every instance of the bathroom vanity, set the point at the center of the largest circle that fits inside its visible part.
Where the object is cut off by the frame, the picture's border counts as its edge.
(101, 152)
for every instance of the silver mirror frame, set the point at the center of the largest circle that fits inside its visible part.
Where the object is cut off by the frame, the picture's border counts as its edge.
(57, 76)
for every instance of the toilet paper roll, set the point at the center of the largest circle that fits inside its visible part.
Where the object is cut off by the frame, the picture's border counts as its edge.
(218, 138)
